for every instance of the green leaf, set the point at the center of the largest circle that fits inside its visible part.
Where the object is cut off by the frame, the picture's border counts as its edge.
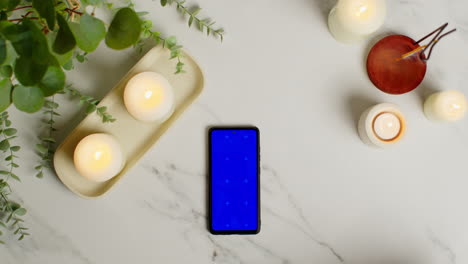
(91, 108)
(81, 58)
(65, 41)
(6, 71)
(11, 56)
(88, 33)
(10, 132)
(4, 145)
(196, 11)
(12, 4)
(9, 4)
(5, 94)
(14, 176)
(20, 36)
(190, 21)
(28, 99)
(92, 2)
(40, 175)
(61, 58)
(15, 148)
(29, 72)
(4, 172)
(48, 139)
(53, 81)
(68, 65)
(20, 211)
(124, 30)
(40, 52)
(2, 224)
(3, 50)
(163, 2)
(171, 42)
(46, 10)
(41, 148)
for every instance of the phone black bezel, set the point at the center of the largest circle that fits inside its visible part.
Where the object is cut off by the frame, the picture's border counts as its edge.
(210, 225)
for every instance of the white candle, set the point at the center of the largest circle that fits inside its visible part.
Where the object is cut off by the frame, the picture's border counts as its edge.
(98, 157)
(149, 97)
(446, 106)
(382, 125)
(353, 20)
(387, 126)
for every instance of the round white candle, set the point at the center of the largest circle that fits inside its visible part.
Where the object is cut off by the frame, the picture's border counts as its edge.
(353, 20)
(446, 106)
(387, 126)
(98, 157)
(382, 125)
(149, 97)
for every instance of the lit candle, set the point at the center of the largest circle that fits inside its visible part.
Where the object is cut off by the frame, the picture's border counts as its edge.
(382, 125)
(353, 20)
(98, 157)
(446, 106)
(149, 97)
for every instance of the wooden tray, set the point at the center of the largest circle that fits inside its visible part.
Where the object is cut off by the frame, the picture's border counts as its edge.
(135, 137)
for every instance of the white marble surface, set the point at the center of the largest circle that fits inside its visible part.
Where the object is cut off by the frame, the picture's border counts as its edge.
(326, 197)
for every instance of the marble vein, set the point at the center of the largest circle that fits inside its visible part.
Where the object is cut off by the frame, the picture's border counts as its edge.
(299, 212)
(442, 246)
(185, 211)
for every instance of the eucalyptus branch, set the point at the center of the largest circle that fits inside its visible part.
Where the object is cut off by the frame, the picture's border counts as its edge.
(8, 133)
(169, 43)
(91, 105)
(45, 149)
(203, 24)
(8, 208)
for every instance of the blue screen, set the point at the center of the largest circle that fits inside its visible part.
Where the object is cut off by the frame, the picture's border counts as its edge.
(234, 180)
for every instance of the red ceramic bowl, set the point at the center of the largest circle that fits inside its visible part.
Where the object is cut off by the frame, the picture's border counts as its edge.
(390, 74)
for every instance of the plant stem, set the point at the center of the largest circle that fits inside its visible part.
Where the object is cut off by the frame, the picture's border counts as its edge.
(69, 10)
(21, 19)
(22, 7)
(202, 23)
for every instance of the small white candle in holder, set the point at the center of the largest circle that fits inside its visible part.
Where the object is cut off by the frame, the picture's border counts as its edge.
(354, 20)
(382, 125)
(149, 97)
(98, 157)
(446, 106)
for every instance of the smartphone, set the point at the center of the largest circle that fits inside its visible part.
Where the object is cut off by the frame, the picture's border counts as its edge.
(234, 180)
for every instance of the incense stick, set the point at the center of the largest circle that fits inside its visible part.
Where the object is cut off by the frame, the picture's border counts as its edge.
(422, 49)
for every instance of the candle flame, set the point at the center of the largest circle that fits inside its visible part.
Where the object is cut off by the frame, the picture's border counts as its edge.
(148, 94)
(97, 155)
(455, 107)
(362, 9)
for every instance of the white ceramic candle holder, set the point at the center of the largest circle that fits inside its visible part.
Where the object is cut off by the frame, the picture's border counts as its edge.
(382, 125)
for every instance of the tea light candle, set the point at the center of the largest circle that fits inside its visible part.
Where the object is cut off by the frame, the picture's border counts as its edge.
(353, 20)
(446, 106)
(98, 157)
(382, 125)
(149, 97)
